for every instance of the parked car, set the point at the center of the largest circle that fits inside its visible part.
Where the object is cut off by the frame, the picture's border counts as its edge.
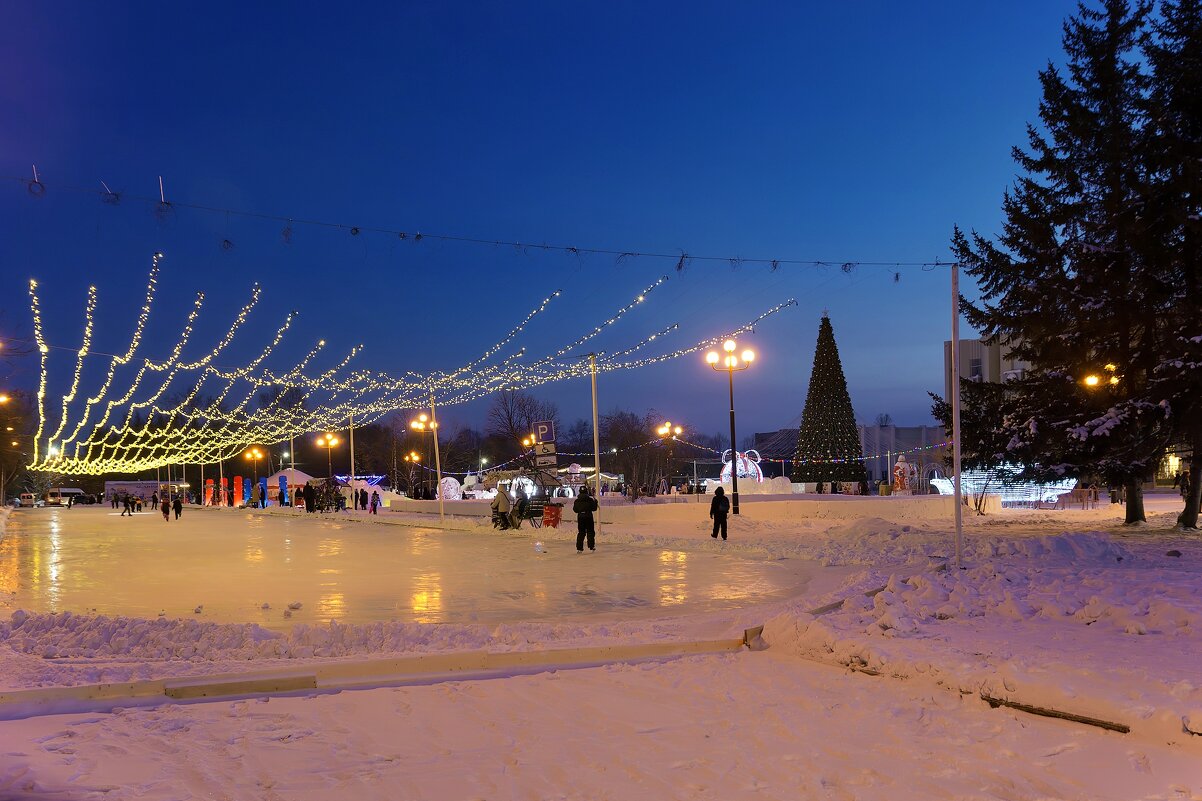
(29, 500)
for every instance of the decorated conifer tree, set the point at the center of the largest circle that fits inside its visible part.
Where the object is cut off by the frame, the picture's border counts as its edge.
(828, 446)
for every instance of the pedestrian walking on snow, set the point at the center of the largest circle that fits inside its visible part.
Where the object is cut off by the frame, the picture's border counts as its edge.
(128, 507)
(719, 506)
(584, 506)
(178, 506)
(154, 499)
(375, 501)
(166, 506)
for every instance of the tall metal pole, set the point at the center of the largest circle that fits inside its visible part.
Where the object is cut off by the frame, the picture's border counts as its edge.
(734, 451)
(437, 459)
(592, 364)
(354, 494)
(956, 413)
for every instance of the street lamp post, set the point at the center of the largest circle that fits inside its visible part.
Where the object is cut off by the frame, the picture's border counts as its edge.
(668, 433)
(328, 441)
(429, 423)
(253, 455)
(730, 362)
(415, 460)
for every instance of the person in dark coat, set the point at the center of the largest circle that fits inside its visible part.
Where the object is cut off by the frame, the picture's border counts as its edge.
(178, 506)
(363, 501)
(128, 507)
(375, 501)
(584, 506)
(166, 507)
(310, 496)
(154, 499)
(719, 506)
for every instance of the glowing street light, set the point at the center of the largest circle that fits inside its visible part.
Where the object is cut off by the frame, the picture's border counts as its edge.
(253, 455)
(423, 423)
(730, 363)
(1094, 380)
(668, 433)
(328, 441)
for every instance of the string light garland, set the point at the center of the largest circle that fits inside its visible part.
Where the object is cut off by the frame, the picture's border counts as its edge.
(681, 259)
(136, 429)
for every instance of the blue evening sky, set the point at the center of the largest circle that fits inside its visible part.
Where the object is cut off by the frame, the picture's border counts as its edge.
(829, 131)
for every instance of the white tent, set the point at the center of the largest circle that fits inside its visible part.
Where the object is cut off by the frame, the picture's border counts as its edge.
(295, 479)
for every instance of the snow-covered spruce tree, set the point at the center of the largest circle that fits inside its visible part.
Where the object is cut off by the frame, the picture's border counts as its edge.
(1173, 50)
(1071, 285)
(828, 445)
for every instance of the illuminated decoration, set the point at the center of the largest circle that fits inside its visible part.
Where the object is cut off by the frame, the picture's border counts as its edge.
(748, 464)
(149, 412)
(828, 442)
(995, 482)
(451, 489)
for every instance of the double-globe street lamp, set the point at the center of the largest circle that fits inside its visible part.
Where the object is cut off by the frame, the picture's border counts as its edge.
(414, 460)
(328, 441)
(424, 423)
(730, 363)
(668, 434)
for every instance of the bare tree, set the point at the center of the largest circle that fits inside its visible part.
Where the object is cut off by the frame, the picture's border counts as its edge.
(513, 414)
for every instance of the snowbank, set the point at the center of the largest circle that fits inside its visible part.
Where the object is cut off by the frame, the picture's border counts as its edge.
(1078, 622)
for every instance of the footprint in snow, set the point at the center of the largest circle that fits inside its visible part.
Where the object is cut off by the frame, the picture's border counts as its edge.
(295, 605)
(198, 609)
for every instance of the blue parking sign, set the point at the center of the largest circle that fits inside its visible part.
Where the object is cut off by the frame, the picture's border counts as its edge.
(544, 431)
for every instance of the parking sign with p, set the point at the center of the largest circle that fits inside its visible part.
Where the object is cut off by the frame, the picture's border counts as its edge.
(544, 431)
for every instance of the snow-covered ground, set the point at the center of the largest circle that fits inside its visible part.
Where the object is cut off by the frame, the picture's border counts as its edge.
(1062, 610)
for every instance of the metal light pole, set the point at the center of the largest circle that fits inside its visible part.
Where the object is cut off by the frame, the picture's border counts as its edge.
(592, 363)
(668, 433)
(956, 491)
(351, 421)
(730, 363)
(328, 441)
(429, 423)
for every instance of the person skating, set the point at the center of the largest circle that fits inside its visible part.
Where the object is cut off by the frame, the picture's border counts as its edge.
(128, 508)
(166, 507)
(584, 506)
(719, 506)
(375, 501)
(154, 499)
(178, 506)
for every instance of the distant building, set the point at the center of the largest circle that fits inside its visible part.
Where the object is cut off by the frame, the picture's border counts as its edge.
(924, 446)
(980, 361)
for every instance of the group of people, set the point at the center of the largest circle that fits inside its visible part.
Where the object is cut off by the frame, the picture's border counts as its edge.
(371, 504)
(507, 514)
(167, 505)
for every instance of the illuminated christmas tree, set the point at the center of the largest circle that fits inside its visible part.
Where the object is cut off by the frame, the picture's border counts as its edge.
(828, 445)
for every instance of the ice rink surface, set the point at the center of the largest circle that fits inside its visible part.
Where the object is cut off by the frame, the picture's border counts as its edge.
(230, 563)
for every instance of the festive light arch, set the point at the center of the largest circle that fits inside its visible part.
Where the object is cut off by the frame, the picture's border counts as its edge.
(129, 425)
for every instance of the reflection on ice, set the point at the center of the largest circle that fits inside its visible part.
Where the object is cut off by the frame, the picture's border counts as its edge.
(426, 601)
(232, 563)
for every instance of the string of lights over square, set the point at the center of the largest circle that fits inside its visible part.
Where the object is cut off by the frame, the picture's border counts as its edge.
(150, 412)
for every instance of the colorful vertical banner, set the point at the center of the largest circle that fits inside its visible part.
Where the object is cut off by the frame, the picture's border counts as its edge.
(223, 496)
(238, 490)
(284, 499)
(208, 501)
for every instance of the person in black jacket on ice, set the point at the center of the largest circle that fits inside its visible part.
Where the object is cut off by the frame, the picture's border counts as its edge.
(584, 506)
(719, 506)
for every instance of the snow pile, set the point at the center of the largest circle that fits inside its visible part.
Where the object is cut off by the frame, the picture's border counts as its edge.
(64, 648)
(1073, 621)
